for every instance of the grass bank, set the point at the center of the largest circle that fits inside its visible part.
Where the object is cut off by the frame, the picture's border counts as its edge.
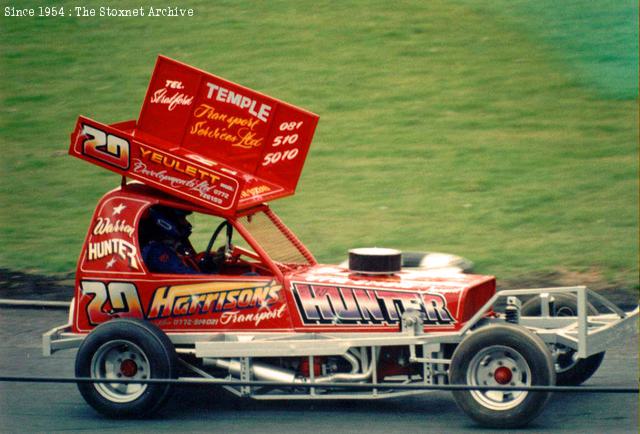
(504, 133)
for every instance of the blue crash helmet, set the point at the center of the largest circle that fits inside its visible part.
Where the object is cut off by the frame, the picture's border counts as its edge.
(170, 223)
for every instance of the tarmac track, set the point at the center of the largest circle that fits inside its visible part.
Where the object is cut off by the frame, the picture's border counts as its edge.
(29, 407)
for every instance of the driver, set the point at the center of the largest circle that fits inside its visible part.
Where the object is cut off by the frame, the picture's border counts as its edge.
(164, 237)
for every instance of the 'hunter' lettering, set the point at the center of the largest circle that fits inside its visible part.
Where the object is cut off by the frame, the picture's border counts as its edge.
(320, 304)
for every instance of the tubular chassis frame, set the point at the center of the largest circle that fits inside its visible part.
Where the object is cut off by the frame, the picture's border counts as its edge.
(585, 334)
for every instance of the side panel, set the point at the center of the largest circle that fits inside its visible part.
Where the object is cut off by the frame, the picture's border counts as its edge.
(343, 305)
(346, 308)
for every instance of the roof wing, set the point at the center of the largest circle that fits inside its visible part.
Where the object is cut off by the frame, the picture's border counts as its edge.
(205, 140)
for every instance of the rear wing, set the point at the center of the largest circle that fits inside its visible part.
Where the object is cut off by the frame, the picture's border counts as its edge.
(204, 139)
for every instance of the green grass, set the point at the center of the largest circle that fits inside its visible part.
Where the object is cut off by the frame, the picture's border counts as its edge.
(504, 133)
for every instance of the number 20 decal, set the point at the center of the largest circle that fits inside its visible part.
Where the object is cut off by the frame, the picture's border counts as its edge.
(105, 147)
(117, 299)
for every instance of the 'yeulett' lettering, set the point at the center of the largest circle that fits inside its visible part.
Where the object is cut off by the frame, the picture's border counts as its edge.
(177, 165)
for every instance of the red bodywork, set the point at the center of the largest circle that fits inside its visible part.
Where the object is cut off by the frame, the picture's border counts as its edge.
(210, 146)
(113, 281)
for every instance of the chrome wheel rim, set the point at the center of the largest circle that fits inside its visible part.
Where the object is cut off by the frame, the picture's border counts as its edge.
(498, 365)
(120, 359)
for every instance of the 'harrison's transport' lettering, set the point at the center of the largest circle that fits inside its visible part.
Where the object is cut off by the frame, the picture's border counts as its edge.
(208, 298)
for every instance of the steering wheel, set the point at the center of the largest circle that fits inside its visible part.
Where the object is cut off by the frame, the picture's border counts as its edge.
(211, 258)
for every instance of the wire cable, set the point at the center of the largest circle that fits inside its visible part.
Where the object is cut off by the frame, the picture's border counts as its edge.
(307, 385)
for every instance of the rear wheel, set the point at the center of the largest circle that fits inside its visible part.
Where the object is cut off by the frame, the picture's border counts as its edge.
(126, 349)
(570, 370)
(502, 355)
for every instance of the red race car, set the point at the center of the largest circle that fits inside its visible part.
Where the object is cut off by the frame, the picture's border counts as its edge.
(255, 305)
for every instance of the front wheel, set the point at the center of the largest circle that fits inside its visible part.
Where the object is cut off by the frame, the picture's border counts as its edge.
(126, 349)
(502, 355)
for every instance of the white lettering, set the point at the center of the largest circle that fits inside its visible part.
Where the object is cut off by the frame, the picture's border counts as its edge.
(171, 101)
(105, 226)
(244, 102)
(124, 249)
(236, 317)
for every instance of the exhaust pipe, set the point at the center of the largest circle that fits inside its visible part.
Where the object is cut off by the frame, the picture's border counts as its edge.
(259, 370)
(351, 376)
(265, 372)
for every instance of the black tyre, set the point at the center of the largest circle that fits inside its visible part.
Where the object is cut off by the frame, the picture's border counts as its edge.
(127, 349)
(502, 355)
(570, 371)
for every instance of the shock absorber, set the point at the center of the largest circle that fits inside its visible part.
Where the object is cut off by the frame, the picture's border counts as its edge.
(512, 311)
